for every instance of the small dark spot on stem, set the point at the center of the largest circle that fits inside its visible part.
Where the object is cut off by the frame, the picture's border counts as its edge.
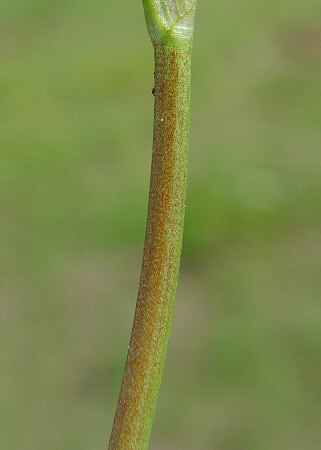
(153, 91)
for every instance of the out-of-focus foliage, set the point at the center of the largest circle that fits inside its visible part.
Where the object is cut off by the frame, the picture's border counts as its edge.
(75, 145)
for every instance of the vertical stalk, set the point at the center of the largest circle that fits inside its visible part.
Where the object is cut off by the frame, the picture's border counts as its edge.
(163, 242)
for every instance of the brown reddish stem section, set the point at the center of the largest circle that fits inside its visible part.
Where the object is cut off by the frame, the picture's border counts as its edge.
(162, 251)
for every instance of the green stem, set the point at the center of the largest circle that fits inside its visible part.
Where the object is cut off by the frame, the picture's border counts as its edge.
(162, 251)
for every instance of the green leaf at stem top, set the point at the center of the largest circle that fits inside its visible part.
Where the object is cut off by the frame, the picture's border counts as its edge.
(174, 17)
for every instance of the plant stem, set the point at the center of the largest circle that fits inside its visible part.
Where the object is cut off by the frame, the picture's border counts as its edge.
(162, 251)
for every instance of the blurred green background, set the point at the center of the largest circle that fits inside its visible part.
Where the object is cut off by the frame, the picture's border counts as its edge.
(243, 370)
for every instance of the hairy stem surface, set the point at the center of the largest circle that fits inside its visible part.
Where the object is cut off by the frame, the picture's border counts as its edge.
(162, 251)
